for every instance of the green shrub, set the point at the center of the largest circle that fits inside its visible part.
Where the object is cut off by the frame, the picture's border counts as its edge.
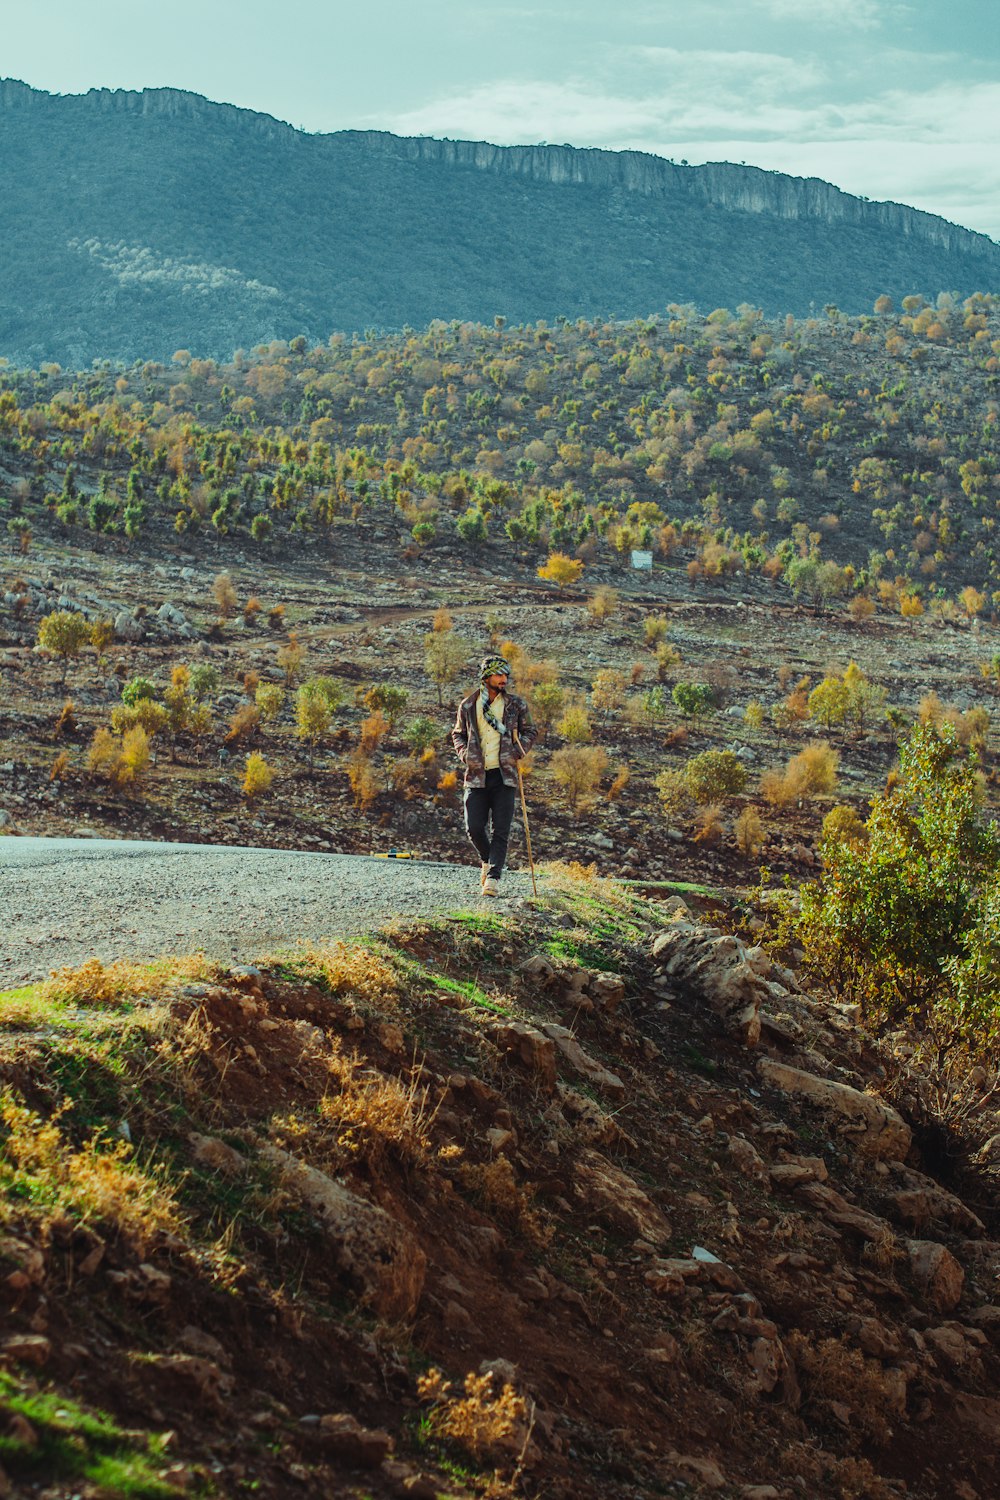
(693, 699)
(908, 921)
(715, 774)
(136, 689)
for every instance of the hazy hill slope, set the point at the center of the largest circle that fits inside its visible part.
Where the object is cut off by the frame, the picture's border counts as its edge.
(138, 223)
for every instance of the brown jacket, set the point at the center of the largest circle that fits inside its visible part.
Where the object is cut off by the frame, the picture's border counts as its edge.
(465, 738)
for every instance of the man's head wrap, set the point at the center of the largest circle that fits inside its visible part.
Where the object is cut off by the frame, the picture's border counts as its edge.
(491, 665)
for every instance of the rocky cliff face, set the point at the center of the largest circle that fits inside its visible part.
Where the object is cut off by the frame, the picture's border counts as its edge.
(149, 103)
(723, 184)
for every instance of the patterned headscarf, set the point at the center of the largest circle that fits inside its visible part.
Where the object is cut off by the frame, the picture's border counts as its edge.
(491, 664)
(487, 667)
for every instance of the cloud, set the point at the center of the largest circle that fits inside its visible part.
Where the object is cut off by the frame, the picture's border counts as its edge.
(862, 15)
(754, 75)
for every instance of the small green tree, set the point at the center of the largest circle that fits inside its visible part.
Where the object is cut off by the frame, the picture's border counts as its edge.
(471, 527)
(420, 734)
(391, 700)
(312, 717)
(828, 702)
(203, 680)
(136, 689)
(865, 699)
(445, 656)
(269, 698)
(547, 702)
(331, 690)
(608, 689)
(578, 770)
(654, 705)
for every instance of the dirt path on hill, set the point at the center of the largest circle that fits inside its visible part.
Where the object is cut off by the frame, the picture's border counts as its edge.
(66, 900)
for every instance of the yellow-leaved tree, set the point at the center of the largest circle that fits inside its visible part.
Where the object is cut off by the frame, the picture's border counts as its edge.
(561, 569)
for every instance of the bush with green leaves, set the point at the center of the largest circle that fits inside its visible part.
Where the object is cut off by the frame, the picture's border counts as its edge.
(332, 691)
(136, 689)
(907, 921)
(694, 699)
(715, 774)
(388, 698)
(674, 794)
(421, 733)
(203, 680)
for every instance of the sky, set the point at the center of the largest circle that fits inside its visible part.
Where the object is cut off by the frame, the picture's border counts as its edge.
(890, 99)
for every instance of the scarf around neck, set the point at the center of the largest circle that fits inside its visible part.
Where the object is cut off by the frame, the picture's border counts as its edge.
(489, 715)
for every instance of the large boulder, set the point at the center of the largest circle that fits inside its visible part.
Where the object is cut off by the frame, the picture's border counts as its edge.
(875, 1127)
(371, 1249)
(716, 967)
(937, 1273)
(128, 628)
(615, 1199)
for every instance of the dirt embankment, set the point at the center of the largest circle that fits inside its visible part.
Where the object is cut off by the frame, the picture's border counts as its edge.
(588, 1200)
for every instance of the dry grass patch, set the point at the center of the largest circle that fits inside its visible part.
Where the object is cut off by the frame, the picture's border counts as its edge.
(99, 984)
(97, 1185)
(485, 1422)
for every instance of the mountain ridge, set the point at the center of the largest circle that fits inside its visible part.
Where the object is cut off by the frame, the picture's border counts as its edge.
(748, 188)
(357, 229)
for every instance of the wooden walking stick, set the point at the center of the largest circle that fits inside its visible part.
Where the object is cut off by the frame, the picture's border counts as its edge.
(524, 815)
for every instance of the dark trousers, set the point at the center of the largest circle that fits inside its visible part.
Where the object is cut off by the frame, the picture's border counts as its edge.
(489, 810)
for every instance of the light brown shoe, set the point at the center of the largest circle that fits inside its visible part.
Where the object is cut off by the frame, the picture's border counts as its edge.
(484, 870)
(491, 887)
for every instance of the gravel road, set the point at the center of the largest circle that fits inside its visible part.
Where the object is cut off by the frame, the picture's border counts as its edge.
(65, 900)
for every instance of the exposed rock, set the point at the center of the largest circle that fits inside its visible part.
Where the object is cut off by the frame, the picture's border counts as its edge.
(835, 1208)
(937, 1273)
(746, 1158)
(607, 990)
(875, 1338)
(981, 1414)
(987, 1318)
(196, 1341)
(716, 969)
(951, 1347)
(877, 1129)
(581, 1062)
(716, 1270)
(370, 1248)
(589, 1121)
(216, 1155)
(30, 1348)
(128, 628)
(921, 1201)
(202, 1378)
(792, 1169)
(988, 1154)
(704, 1470)
(615, 1199)
(342, 1436)
(531, 1047)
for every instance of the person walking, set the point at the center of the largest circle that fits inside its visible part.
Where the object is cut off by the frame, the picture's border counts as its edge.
(493, 731)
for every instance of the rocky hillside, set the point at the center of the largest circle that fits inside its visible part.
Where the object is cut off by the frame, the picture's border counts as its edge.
(586, 1200)
(138, 223)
